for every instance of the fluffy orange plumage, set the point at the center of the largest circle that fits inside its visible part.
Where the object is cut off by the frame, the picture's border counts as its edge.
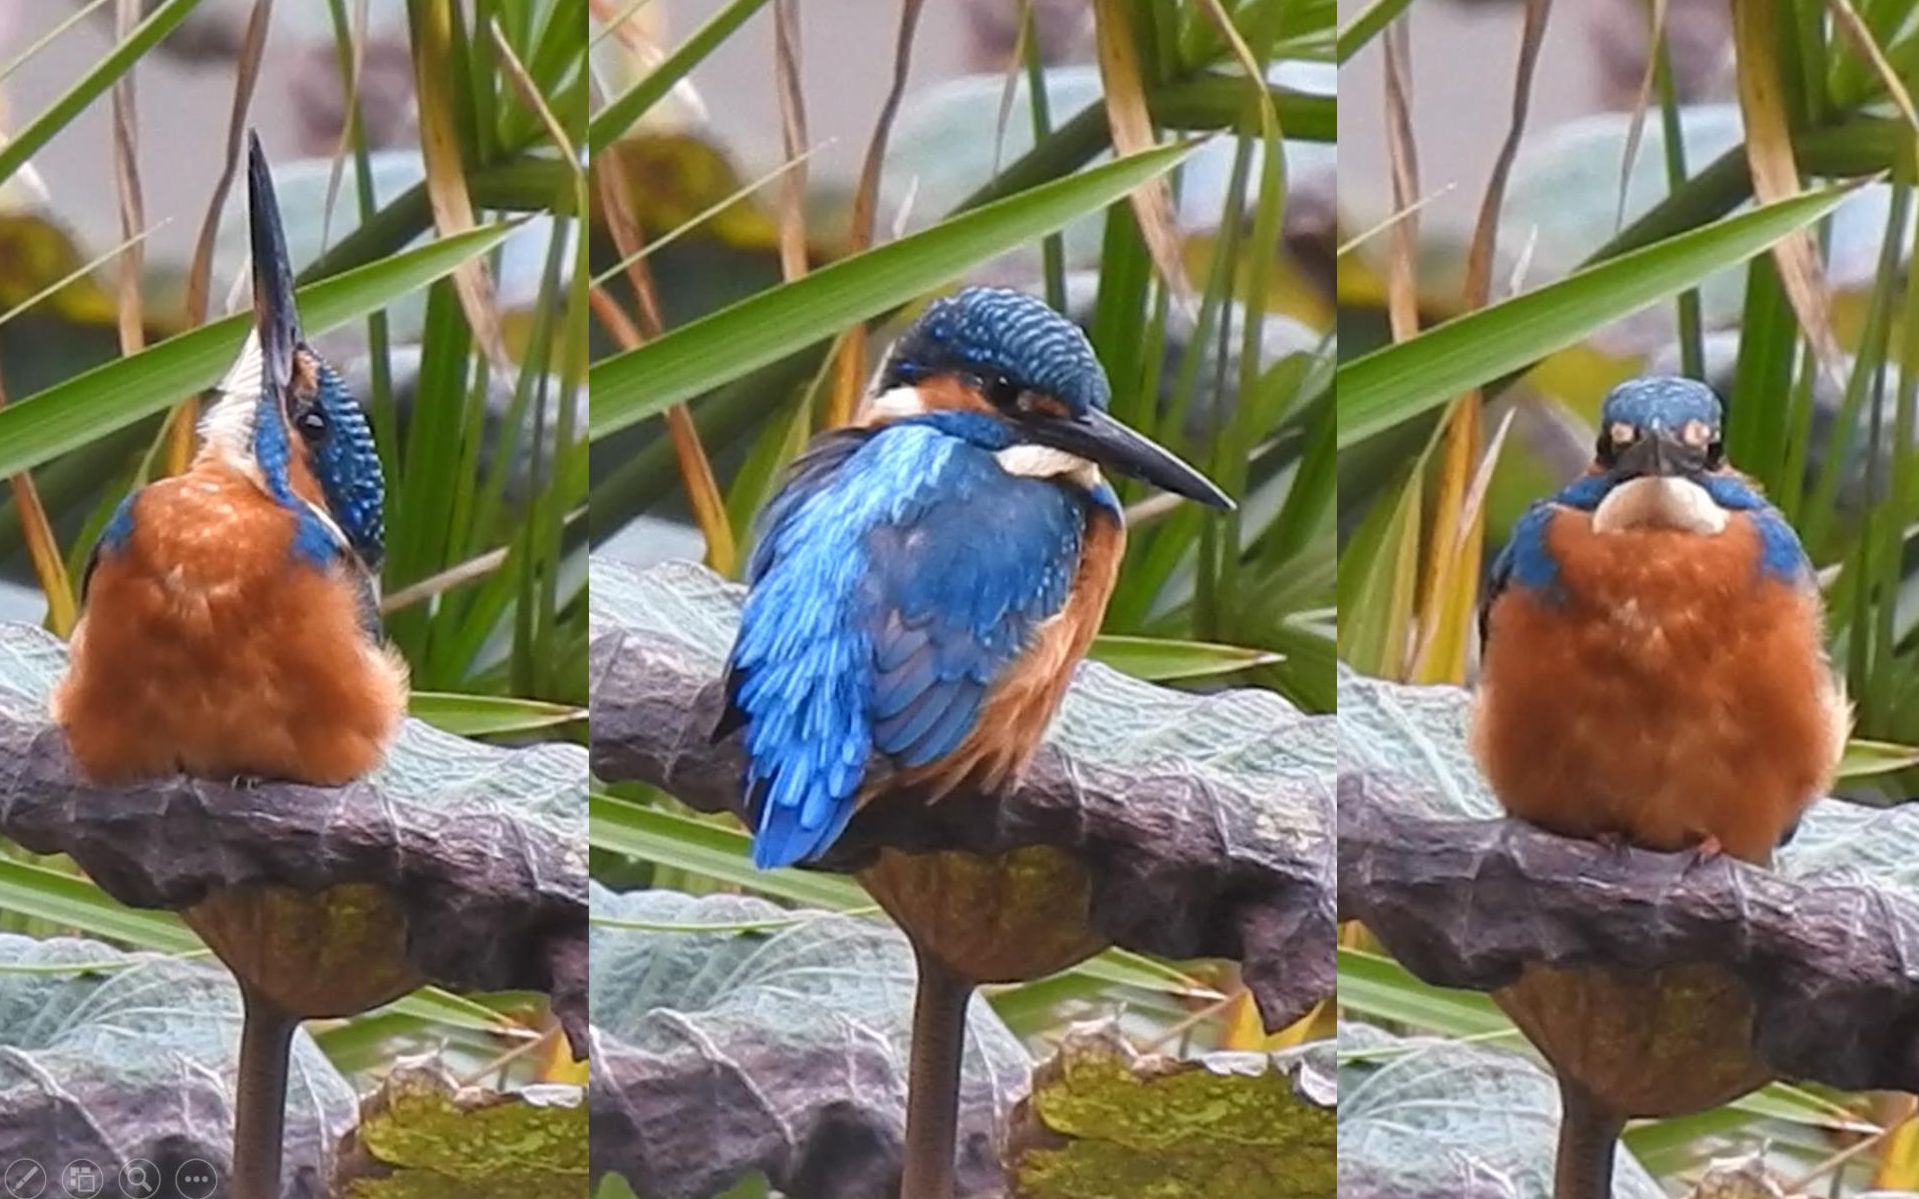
(206, 649)
(1672, 695)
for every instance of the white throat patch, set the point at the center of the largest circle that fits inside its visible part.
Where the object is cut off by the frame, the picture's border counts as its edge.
(1659, 503)
(227, 426)
(1046, 462)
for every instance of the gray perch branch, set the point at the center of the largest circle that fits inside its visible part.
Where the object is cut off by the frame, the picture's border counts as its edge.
(482, 848)
(1831, 958)
(1206, 821)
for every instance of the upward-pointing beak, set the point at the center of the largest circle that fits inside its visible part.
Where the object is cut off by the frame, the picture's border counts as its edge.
(274, 314)
(1096, 436)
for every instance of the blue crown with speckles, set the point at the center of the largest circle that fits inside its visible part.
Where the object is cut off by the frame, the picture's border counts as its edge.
(1666, 401)
(994, 332)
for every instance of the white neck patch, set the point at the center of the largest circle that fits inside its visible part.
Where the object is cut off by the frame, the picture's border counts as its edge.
(1046, 462)
(1659, 503)
(894, 404)
(227, 426)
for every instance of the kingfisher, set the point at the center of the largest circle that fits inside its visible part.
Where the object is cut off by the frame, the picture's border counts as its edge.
(231, 627)
(1653, 667)
(926, 579)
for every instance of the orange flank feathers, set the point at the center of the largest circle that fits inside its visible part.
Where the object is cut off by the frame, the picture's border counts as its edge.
(1015, 715)
(1671, 695)
(206, 649)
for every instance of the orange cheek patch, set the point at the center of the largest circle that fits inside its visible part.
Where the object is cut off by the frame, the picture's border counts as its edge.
(947, 393)
(300, 476)
(306, 372)
(1672, 694)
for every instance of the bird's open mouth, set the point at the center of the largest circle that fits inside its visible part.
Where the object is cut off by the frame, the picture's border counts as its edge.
(1659, 502)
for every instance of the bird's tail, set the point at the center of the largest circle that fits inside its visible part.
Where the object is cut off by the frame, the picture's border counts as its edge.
(782, 837)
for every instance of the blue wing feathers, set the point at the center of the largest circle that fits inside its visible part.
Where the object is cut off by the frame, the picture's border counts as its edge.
(899, 572)
(897, 686)
(932, 725)
(810, 474)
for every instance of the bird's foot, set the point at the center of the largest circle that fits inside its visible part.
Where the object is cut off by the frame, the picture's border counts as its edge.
(1707, 849)
(245, 782)
(1614, 843)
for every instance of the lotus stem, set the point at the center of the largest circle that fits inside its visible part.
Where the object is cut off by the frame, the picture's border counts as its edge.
(260, 1106)
(933, 1078)
(1588, 1143)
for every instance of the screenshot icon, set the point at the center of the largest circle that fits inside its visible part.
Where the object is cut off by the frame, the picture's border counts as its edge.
(81, 1179)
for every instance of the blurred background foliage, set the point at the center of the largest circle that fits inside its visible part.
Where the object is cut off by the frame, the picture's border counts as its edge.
(1604, 205)
(760, 184)
(121, 234)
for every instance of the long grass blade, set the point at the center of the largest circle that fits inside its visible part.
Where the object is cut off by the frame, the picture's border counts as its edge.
(446, 187)
(180, 432)
(1362, 29)
(1451, 580)
(1775, 170)
(69, 415)
(115, 63)
(612, 121)
(1123, 82)
(1395, 384)
(849, 369)
(765, 328)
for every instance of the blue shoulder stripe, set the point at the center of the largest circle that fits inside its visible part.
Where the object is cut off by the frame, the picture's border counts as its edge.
(113, 538)
(1781, 555)
(1525, 560)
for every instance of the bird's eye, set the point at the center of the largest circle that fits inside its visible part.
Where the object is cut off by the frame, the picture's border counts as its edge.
(1615, 437)
(1000, 391)
(1715, 454)
(312, 424)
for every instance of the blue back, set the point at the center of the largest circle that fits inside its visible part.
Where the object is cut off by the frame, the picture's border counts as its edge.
(899, 573)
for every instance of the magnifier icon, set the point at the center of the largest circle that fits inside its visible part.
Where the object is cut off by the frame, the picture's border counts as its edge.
(139, 1179)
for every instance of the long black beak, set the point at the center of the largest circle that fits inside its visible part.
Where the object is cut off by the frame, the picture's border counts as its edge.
(274, 315)
(1660, 453)
(1096, 436)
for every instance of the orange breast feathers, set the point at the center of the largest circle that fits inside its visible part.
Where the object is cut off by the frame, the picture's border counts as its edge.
(1013, 719)
(1670, 694)
(206, 648)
